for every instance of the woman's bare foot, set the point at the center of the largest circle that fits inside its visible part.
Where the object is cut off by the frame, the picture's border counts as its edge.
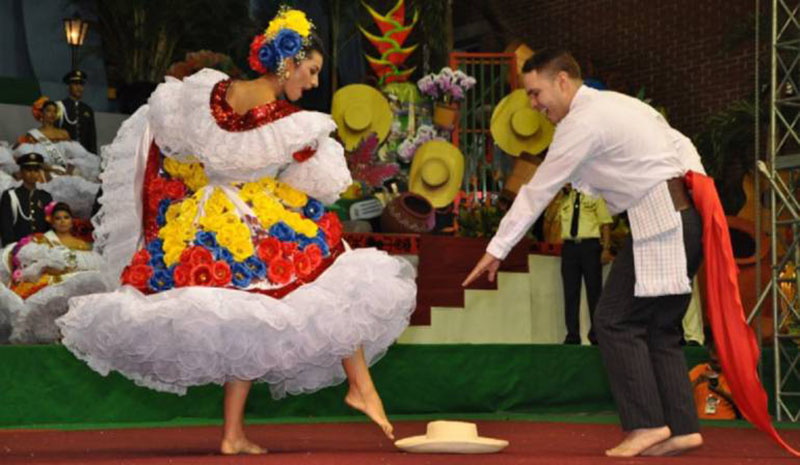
(240, 445)
(675, 445)
(370, 404)
(638, 440)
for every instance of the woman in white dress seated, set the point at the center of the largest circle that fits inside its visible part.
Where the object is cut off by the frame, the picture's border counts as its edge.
(71, 172)
(42, 271)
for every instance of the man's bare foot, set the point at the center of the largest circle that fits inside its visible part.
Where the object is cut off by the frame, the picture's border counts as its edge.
(240, 446)
(638, 440)
(675, 445)
(370, 404)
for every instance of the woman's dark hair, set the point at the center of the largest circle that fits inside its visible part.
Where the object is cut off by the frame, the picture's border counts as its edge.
(62, 207)
(315, 45)
(49, 103)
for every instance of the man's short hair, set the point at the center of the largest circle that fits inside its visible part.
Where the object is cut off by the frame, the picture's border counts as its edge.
(553, 61)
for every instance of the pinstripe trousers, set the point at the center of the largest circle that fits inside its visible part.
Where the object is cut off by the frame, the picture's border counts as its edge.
(640, 338)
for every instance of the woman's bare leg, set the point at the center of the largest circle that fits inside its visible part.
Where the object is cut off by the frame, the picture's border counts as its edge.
(234, 440)
(362, 395)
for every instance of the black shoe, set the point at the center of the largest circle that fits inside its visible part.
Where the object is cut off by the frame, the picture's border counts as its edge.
(572, 341)
(693, 343)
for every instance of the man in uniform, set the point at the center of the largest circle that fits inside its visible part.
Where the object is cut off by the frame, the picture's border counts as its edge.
(77, 117)
(22, 208)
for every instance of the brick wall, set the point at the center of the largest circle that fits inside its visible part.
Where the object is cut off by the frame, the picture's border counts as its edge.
(673, 48)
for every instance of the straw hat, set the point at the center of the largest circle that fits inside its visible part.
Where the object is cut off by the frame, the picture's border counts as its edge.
(436, 172)
(517, 128)
(359, 110)
(451, 437)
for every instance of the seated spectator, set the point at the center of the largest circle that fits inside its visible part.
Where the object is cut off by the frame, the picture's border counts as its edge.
(22, 208)
(712, 396)
(46, 270)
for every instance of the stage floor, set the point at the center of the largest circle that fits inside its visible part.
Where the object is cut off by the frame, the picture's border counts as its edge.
(360, 443)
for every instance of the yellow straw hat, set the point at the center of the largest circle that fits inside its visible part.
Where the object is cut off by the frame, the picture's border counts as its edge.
(517, 128)
(451, 437)
(436, 172)
(359, 110)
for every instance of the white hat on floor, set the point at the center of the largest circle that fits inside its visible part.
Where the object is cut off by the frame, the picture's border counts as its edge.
(451, 437)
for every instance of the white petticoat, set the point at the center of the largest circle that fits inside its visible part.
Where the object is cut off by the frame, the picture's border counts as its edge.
(32, 321)
(194, 336)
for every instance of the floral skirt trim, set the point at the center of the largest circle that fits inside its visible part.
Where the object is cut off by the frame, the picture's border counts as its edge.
(263, 237)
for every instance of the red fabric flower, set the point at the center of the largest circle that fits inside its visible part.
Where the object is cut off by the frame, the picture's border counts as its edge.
(314, 254)
(332, 228)
(175, 189)
(222, 273)
(141, 257)
(268, 249)
(280, 270)
(157, 187)
(252, 59)
(182, 275)
(305, 154)
(302, 265)
(199, 255)
(137, 276)
(202, 275)
(289, 248)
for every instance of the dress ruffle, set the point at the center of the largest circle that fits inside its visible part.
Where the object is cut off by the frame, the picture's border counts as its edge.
(184, 127)
(196, 335)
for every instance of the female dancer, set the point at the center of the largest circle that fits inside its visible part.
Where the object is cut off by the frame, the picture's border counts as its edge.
(242, 275)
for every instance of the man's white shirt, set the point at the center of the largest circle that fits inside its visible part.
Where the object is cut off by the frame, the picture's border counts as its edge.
(622, 149)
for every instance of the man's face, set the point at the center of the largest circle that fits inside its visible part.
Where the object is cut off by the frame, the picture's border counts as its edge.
(30, 174)
(76, 90)
(548, 93)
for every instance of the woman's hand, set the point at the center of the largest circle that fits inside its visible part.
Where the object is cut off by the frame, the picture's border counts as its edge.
(487, 263)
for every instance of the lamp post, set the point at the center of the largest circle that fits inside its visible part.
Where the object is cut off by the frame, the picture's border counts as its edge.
(75, 29)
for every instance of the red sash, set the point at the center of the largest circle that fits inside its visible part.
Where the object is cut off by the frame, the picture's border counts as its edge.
(734, 339)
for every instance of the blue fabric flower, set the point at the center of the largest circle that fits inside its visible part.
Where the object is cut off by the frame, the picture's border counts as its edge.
(282, 231)
(156, 247)
(314, 209)
(241, 275)
(207, 239)
(288, 43)
(268, 56)
(221, 253)
(161, 280)
(161, 218)
(257, 267)
(303, 241)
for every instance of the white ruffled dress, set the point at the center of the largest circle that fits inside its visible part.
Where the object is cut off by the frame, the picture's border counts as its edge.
(32, 320)
(258, 330)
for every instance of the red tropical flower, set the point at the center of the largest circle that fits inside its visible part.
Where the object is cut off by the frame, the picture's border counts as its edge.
(268, 249)
(182, 275)
(280, 270)
(202, 275)
(222, 273)
(141, 257)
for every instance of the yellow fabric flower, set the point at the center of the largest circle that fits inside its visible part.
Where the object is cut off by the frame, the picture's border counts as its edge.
(269, 184)
(297, 21)
(291, 196)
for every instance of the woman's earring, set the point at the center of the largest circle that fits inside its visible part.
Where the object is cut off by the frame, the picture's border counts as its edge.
(286, 75)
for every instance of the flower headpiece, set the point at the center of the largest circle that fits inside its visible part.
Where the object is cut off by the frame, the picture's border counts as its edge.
(38, 105)
(48, 211)
(286, 37)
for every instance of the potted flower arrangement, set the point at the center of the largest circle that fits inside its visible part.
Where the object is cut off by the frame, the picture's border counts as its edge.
(447, 88)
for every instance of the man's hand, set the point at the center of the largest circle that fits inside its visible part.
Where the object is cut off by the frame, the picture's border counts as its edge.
(486, 263)
(606, 257)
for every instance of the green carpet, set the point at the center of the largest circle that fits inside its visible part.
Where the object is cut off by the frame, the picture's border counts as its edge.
(45, 386)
